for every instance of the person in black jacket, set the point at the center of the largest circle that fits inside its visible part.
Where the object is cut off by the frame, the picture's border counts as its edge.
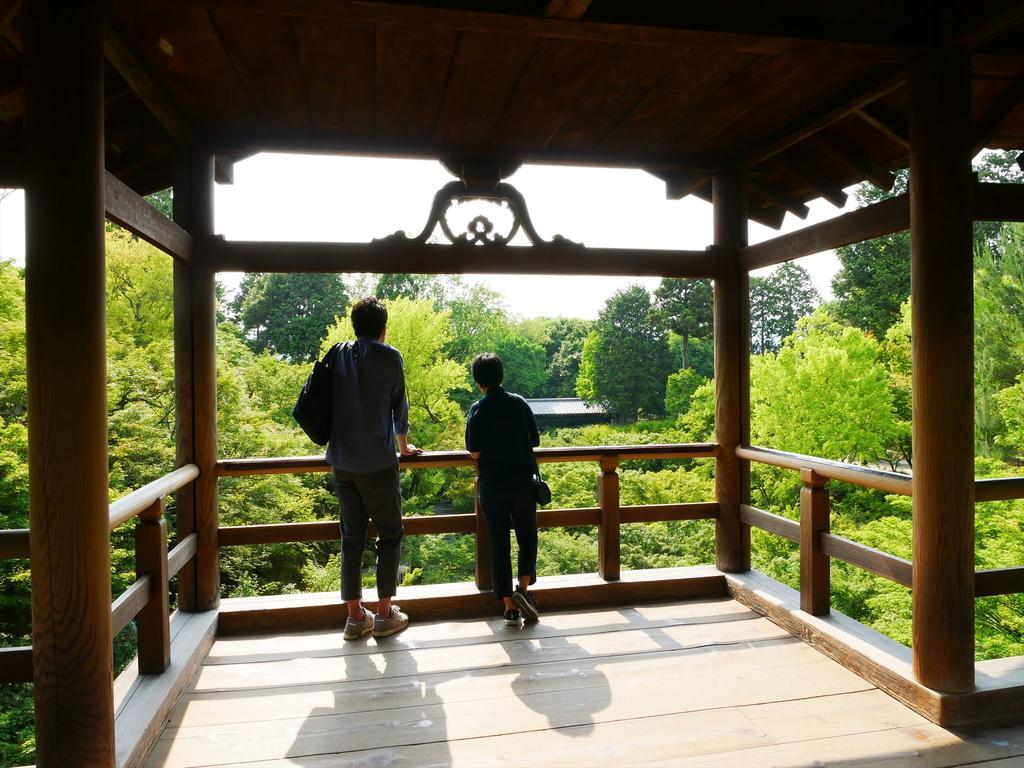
(501, 434)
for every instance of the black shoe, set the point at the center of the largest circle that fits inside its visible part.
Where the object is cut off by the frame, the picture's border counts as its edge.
(525, 602)
(511, 618)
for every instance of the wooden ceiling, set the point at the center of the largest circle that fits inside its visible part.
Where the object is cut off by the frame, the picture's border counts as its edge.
(808, 98)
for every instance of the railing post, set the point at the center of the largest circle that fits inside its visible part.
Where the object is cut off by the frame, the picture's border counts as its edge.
(814, 564)
(482, 544)
(153, 621)
(608, 540)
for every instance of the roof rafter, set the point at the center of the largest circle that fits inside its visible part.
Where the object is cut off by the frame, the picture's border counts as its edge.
(822, 116)
(147, 86)
(566, 9)
(990, 123)
(857, 161)
(766, 41)
(809, 176)
(887, 123)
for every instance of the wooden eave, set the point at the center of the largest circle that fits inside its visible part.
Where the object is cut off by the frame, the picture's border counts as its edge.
(807, 99)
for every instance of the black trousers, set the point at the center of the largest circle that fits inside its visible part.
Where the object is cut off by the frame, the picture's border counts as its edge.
(508, 507)
(373, 496)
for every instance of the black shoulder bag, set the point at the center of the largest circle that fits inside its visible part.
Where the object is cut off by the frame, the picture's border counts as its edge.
(314, 410)
(541, 491)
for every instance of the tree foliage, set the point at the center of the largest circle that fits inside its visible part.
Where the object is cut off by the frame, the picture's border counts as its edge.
(288, 313)
(686, 308)
(626, 358)
(777, 302)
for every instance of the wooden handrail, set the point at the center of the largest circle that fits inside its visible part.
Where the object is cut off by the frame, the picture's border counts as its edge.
(14, 544)
(127, 507)
(867, 477)
(435, 459)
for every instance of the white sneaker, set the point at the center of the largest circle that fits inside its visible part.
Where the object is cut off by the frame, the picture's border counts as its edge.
(356, 628)
(390, 625)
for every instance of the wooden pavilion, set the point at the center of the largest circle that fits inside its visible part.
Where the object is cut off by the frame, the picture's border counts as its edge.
(756, 107)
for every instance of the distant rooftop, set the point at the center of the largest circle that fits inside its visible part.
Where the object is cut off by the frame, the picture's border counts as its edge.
(564, 406)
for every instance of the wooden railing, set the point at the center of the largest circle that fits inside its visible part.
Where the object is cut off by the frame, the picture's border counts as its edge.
(817, 544)
(146, 600)
(607, 516)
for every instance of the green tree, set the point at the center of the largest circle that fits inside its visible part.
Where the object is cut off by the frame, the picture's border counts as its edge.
(679, 391)
(564, 350)
(288, 313)
(825, 394)
(628, 357)
(686, 308)
(524, 364)
(776, 303)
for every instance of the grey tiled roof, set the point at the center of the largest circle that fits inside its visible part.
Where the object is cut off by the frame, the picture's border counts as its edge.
(563, 406)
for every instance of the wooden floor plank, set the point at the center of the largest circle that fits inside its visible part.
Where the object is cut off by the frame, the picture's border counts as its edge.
(703, 683)
(453, 633)
(749, 660)
(403, 662)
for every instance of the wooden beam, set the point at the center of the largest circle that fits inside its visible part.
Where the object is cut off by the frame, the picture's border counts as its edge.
(680, 185)
(726, 37)
(884, 218)
(224, 169)
(817, 118)
(998, 202)
(131, 504)
(184, 400)
(875, 561)
(769, 217)
(998, 489)
(204, 382)
(942, 298)
(825, 188)
(608, 537)
(768, 521)
(857, 161)
(65, 283)
(15, 544)
(146, 84)
(181, 555)
(781, 198)
(16, 665)
(992, 121)
(131, 211)
(732, 383)
(129, 603)
(978, 32)
(388, 257)
(659, 513)
(566, 9)
(886, 123)
(999, 581)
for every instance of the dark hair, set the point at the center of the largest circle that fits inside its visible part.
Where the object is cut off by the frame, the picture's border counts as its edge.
(369, 318)
(488, 370)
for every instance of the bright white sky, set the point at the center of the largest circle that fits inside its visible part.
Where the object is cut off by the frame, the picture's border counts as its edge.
(327, 198)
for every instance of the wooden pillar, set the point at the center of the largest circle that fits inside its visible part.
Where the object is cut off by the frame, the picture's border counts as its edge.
(732, 373)
(943, 369)
(153, 621)
(608, 557)
(815, 588)
(67, 402)
(184, 402)
(483, 573)
(204, 384)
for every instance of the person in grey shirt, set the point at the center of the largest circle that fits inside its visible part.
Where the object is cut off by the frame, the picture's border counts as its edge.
(370, 413)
